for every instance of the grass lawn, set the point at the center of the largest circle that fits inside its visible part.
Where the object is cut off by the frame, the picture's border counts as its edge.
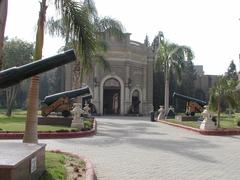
(17, 123)
(61, 167)
(225, 121)
(54, 166)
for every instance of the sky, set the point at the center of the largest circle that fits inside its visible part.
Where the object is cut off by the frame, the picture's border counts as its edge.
(210, 27)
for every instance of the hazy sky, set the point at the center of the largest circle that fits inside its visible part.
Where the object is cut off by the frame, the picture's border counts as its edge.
(210, 27)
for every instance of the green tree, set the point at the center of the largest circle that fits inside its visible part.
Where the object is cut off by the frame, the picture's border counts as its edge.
(79, 30)
(223, 91)
(3, 19)
(232, 71)
(89, 49)
(30, 134)
(186, 86)
(15, 53)
(171, 58)
(146, 41)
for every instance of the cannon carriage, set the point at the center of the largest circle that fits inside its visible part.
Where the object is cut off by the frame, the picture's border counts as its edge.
(193, 105)
(62, 102)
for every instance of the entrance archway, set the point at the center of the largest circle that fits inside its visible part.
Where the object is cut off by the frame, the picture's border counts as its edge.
(111, 97)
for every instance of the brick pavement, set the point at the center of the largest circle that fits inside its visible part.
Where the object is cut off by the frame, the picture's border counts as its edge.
(137, 149)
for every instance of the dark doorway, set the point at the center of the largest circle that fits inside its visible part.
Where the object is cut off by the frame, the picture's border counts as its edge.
(135, 103)
(111, 101)
(111, 97)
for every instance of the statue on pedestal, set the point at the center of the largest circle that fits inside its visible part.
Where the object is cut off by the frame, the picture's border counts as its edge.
(77, 111)
(87, 110)
(115, 103)
(207, 123)
(161, 114)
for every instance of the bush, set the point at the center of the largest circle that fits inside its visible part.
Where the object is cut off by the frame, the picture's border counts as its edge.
(238, 123)
(87, 124)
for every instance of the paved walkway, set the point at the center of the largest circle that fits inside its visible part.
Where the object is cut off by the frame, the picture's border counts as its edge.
(137, 149)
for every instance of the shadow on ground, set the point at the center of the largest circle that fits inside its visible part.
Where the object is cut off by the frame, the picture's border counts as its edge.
(148, 136)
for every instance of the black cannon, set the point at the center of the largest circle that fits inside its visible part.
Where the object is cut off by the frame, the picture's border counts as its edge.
(62, 102)
(86, 99)
(193, 105)
(15, 75)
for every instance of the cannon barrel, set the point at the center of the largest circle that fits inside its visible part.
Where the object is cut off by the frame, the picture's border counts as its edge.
(15, 75)
(87, 97)
(70, 94)
(187, 98)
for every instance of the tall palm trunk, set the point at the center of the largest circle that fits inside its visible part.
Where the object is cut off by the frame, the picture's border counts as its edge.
(218, 112)
(76, 78)
(166, 97)
(30, 135)
(166, 90)
(3, 19)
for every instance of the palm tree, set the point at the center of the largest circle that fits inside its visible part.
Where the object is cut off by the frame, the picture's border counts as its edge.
(171, 58)
(30, 135)
(89, 49)
(3, 19)
(70, 11)
(223, 91)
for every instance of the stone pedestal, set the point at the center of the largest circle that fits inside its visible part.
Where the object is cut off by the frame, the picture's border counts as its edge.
(208, 125)
(54, 120)
(77, 123)
(20, 161)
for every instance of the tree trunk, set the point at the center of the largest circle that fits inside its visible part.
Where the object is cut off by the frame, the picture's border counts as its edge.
(166, 89)
(218, 112)
(30, 135)
(11, 93)
(76, 78)
(3, 19)
(166, 96)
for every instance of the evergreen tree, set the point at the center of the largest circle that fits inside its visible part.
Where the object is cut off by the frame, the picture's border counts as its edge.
(146, 41)
(232, 72)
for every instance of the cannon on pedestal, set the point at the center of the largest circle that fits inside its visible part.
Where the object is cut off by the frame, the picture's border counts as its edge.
(15, 75)
(193, 105)
(61, 102)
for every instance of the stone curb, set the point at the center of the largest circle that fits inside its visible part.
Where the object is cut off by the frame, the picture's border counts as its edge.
(218, 132)
(52, 135)
(90, 172)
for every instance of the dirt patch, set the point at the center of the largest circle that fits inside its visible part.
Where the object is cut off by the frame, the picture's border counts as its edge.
(76, 168)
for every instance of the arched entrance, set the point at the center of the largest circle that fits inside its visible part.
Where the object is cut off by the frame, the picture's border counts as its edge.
(111, 97)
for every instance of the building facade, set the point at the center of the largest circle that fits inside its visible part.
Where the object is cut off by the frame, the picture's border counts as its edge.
(128, 87)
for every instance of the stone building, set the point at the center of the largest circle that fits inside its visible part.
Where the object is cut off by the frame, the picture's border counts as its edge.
(128, 87)
(203, 84)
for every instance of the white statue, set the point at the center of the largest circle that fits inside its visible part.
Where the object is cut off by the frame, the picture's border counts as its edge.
(207, 123)
(77, 112)
(161, 114)
(87, 110)
(115, 103)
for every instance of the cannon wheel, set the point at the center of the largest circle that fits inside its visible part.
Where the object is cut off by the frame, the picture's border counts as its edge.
(66, 113)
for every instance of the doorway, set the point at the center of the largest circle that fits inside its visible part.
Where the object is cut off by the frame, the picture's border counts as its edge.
(135, 102)
(111, 97)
